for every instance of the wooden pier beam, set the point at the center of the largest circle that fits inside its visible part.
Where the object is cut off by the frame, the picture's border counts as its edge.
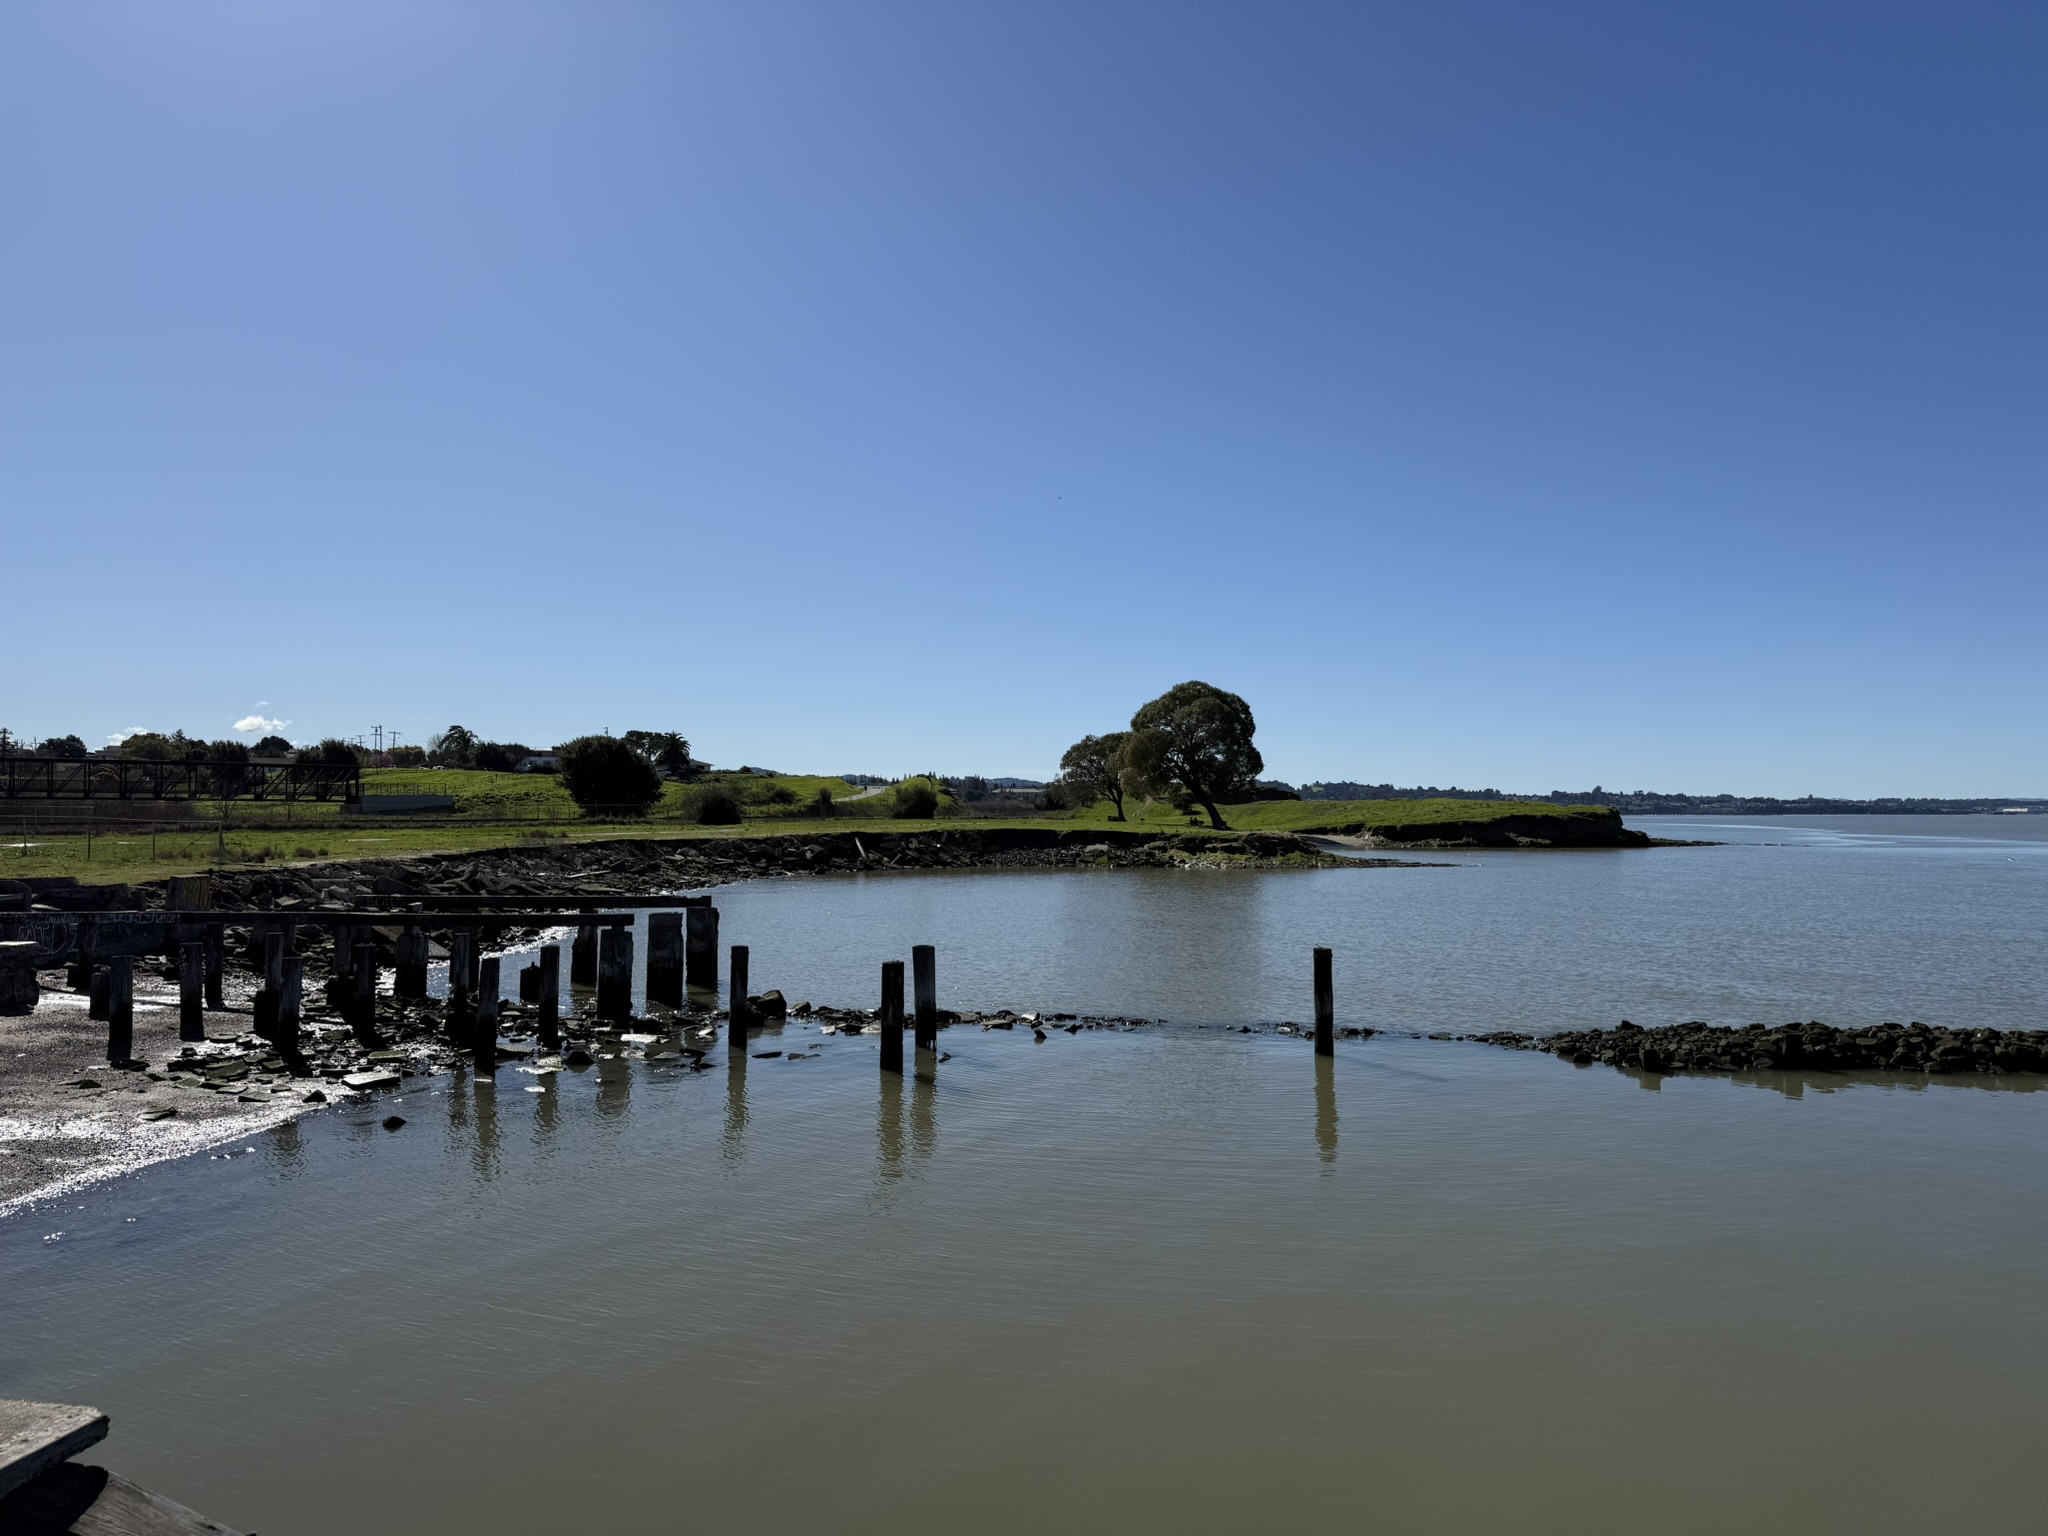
(1326, 1006)
(737, 1013)
(924, 968)
(192, 990)
(120, 1009)
(484, 1056)
(615, 975)
(892, 1016)
(548, 1005)
(665, 958)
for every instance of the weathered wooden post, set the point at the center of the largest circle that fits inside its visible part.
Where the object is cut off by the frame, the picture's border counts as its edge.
(665, 958)
(700, 949)
(1326, 1007)
(362, 1012)
(120, 1009)
(345, 950)
(20, 987)
(216, 962)
(412, 957)
(461, 943)
(192, 990)
(485, 1058)
(583, 956)
(265, 1001)
(549, 1002)
(290, 994)
(737, 1014)
(615, 974)
(892, 1016)
(101, 994)
(924, 975)
(85, 942)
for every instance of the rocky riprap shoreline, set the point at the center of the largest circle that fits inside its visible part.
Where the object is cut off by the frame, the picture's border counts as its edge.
(640, 866)
(1699, 1047)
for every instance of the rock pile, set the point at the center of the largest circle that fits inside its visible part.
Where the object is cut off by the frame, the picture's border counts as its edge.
(1699, 1047)
(641, 866)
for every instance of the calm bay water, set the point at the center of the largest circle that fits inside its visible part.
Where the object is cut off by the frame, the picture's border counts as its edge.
(1174, 1278)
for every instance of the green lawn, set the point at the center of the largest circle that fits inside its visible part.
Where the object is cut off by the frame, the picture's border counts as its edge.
(496, 810)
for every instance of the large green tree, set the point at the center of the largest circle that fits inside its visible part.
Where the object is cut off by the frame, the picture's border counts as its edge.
(1094, 768)
(1198, 739)
(603, 773)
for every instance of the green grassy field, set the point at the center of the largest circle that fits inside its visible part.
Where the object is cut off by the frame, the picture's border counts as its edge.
(498, 810)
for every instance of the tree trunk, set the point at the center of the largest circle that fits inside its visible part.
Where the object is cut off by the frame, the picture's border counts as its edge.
(1216, 821)
(1116, 798)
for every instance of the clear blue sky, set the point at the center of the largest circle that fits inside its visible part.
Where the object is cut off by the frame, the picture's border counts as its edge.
(1528, 395)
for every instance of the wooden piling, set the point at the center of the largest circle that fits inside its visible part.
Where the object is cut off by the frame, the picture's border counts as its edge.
(290, 1000)
(192, 990)
(85, 942)
(1326, 1007)
(700, 949)
(892, 1016)
(362, 1012)
(461, 944)
(615, 974)
(583, 956)
(412, 957)
(924, 971)
(345, 949)
(738, 1014)
(485, 1040)
(549, 1003)
(216, 941)
(99, 992)
(120, 1009)
(665, 958)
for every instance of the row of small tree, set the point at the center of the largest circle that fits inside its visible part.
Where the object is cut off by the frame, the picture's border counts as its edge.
(1192, 744)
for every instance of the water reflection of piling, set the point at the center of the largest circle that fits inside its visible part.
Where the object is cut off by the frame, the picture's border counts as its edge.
(924, 1096)
(1326, 1109)
(545, 1104)
(889, 1128)
(733, 1140)
(614, 1088)
(484, 1093)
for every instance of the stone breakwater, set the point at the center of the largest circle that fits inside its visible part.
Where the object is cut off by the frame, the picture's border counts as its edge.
(1699, 1047)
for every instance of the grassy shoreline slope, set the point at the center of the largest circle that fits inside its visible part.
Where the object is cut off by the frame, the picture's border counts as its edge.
(500, 811)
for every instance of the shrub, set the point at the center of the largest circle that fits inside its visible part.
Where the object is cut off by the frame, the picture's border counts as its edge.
(917, 802)
(821, 804)
(779, 794)
(713, 806)
(333, 751)
(603, 773)
(500, 756)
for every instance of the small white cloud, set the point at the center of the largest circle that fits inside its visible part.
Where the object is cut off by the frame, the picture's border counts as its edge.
(258, 723)
(120, 736)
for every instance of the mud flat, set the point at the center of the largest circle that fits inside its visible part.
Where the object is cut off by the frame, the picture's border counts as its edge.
(1699, 1047)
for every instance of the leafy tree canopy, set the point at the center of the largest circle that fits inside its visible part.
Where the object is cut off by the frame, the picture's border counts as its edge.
(500, 756)
(63, 746)
(666, 750)
(334, 752)
(603, 773)
(453, 748)
(1093, 769)
(154, 746)
(1198, 739)
(271, 746)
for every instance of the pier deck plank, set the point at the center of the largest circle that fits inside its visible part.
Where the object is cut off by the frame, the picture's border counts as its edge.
(34, 1436)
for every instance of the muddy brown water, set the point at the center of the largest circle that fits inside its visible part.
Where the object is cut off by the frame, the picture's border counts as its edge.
(1164, 1279)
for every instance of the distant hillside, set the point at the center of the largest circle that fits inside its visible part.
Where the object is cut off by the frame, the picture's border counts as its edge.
(1644, 802)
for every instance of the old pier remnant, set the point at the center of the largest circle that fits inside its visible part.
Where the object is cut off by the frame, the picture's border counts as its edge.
(924, 967)
(737, 1013)
(1326, 1006)
(120, 1009)
(700, 949)
(892, 1016)
(665, 958)
(615, 975)
(548, 1002)
(484, 1056)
